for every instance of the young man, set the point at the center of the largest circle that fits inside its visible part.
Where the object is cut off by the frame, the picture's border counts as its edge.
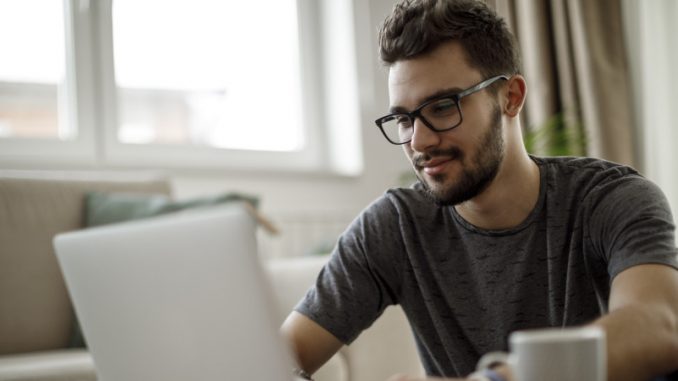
(490, 239)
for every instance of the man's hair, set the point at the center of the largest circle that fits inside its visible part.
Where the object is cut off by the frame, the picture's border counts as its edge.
(417, 27)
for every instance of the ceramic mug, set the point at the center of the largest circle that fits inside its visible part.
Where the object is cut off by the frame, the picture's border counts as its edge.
(570, 354)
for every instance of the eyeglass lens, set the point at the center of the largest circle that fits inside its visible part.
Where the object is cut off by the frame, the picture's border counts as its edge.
(442, 114)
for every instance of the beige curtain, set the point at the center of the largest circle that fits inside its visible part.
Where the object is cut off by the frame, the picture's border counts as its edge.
(576, 66)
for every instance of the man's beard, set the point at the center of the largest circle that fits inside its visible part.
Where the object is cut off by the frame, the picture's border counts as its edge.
(475, 178)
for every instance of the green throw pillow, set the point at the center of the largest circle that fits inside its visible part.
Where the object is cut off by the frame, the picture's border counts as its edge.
(107, 208)
(102, 208)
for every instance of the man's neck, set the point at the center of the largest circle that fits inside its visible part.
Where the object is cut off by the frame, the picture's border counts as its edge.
(509, 199)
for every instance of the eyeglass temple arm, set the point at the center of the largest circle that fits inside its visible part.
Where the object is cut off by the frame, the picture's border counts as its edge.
(481, 85)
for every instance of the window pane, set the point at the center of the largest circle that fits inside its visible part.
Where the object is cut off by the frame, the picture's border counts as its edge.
(217, 73)
(32, 90)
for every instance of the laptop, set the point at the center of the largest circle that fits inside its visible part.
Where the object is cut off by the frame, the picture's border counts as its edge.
(177, 297)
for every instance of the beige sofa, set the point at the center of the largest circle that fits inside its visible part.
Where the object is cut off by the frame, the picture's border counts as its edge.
(36, 316)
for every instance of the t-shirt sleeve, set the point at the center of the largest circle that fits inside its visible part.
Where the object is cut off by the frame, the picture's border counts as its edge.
(631, 224)
(360, 280)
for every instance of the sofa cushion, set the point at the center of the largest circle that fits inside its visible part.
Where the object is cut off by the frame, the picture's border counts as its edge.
(106, 207)
(35, 310)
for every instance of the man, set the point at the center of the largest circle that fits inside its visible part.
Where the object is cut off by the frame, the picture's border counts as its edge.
(491, 240)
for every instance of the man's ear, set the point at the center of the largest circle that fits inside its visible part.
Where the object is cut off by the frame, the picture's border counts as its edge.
(515, 95)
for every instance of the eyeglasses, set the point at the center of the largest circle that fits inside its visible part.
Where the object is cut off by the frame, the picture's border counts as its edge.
(440, 114)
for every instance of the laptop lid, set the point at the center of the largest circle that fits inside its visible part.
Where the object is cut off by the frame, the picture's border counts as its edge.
(179, 297)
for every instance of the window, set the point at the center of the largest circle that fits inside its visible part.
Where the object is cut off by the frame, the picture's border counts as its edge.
(224, 91)
(167, 83)
(32, 76)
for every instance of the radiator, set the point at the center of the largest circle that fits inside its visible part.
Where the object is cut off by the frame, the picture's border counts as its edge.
(302, 234)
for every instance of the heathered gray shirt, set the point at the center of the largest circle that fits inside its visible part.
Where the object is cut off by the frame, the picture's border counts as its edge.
(464, 289)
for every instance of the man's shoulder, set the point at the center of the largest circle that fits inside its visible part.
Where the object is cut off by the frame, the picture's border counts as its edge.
(584, 181)
(588, 164)
(583, 171)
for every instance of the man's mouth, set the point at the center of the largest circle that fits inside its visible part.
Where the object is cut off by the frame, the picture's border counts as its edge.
(435, 166)
(435, 163)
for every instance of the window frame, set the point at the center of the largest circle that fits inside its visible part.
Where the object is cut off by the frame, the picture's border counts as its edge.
(93, 110)
(81, 149)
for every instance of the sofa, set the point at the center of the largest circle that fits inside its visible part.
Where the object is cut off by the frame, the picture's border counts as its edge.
(37, 323)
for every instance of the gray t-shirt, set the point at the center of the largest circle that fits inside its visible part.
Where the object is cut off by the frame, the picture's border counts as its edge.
(465, 289)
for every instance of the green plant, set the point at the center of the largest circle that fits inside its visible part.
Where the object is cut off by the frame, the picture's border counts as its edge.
(556, 138)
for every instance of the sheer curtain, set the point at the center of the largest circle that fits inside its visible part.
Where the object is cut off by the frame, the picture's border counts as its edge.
(652, 32)
(575, 62)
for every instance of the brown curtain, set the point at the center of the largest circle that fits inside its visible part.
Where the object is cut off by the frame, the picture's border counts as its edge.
(576, 67)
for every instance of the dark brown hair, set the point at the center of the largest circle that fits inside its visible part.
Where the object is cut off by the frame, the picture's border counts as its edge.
(416, 27)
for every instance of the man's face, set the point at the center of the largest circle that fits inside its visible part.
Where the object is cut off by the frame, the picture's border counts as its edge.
(458, 164)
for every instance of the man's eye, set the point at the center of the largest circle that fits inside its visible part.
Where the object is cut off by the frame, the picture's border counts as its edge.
(403, 121)
(442, 107)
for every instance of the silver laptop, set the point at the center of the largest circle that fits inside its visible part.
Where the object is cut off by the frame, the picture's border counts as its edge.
(178, 297)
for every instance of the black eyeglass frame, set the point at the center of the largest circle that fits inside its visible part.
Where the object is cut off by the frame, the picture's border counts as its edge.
(457, 100)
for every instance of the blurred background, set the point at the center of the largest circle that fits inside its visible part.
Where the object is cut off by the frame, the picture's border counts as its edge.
(276, 99)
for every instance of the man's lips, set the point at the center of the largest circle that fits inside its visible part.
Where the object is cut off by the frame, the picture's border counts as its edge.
(435, 166)
(436, 162)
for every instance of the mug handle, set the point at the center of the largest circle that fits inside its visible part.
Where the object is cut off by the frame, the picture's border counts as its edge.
(491, 359)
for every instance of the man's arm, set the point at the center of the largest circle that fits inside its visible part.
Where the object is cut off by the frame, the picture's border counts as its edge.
(641, 326)
(642, 323)
(312, 344)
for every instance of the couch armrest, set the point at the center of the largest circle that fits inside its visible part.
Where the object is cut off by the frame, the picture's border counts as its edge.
(62, 365)
(290, 279)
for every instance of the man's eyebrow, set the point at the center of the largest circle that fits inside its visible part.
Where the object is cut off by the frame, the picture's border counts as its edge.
(439, 93)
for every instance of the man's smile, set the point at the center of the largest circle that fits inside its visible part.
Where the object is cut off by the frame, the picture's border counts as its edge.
(436, 166)
(435, 163)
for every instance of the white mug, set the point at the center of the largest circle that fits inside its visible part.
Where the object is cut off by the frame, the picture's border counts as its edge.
(569, 354)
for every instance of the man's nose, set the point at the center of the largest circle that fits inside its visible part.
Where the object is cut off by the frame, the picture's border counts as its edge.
(423, 138)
